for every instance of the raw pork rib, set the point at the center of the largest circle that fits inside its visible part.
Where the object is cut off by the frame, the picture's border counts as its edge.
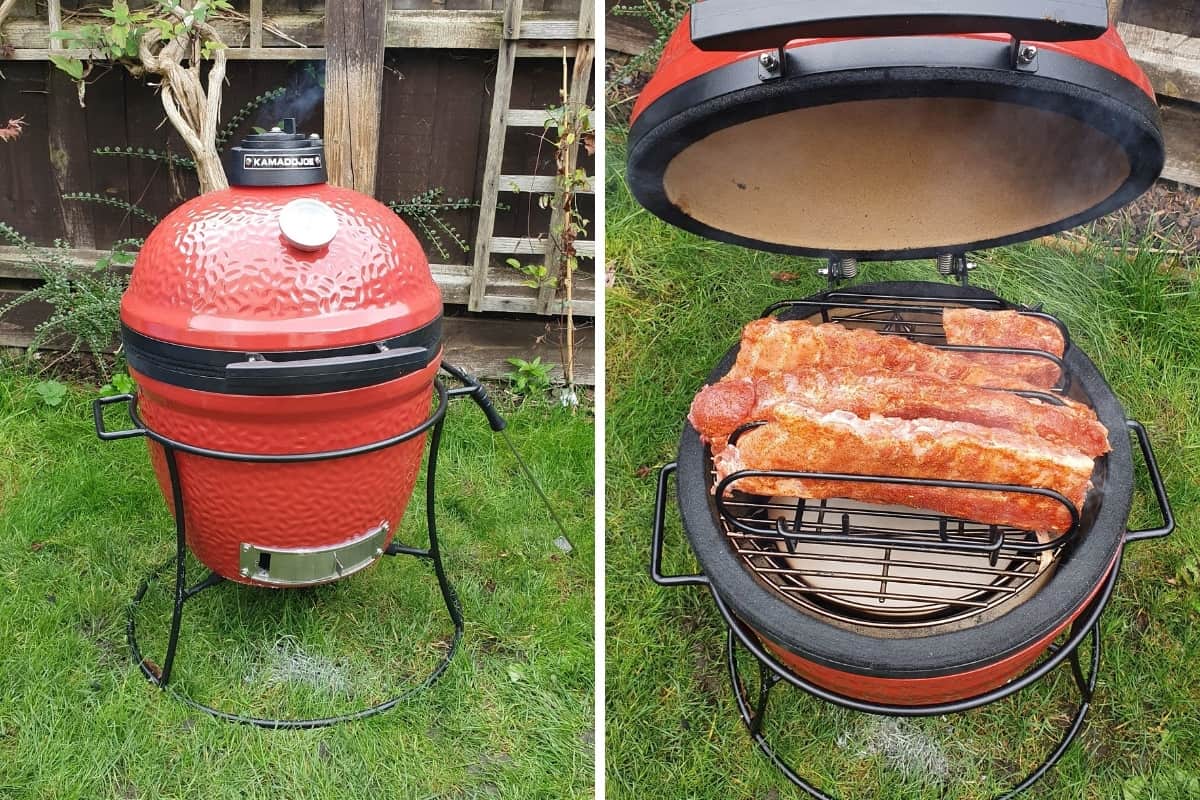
(769, 345)
(1007, 329)
(721, 408)
(799, 438)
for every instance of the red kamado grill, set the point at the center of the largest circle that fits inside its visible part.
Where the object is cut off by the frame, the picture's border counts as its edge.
(285, 337)
(882, 131)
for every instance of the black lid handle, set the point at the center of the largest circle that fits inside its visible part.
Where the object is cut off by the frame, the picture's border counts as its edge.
(765, 24)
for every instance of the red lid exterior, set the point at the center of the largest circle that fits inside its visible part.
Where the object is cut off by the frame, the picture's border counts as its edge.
(682, 61)
(218, 273)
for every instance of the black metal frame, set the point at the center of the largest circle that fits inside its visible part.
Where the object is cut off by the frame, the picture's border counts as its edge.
(161, 676)
(772, 671)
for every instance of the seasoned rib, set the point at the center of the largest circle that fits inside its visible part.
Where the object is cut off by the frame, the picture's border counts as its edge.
(721, 408)
(1007, 329)
(802, 439)
(769, 345)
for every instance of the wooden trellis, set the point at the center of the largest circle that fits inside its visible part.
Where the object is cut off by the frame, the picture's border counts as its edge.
(495, 183)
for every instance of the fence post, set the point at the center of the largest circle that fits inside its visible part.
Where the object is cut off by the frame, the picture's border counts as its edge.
(355, 37)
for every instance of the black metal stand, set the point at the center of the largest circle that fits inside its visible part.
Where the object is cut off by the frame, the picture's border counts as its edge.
(161, 676)
(754, 713)
(772, 672)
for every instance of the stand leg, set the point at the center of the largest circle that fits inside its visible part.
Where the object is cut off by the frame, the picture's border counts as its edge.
(180, 566)
(435, 553)
(753, 716)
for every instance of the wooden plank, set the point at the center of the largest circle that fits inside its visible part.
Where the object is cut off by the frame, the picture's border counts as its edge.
(232, 53)
(483, 345)
(528, 117)
(54, 20)
(1181, 129)
(256, 24)
(622, 37)
(70, 157)
(1171, 60)
(1177, 16)
(280, 36)
(353, 91)
(535, 247)
(539, 184)
(454, 280)
(497, 134)
(575, 101)
(479, 30)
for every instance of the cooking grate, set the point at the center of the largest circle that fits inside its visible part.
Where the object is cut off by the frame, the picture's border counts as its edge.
(890, 568)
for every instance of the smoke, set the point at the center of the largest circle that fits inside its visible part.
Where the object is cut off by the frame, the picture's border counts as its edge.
(305, 94)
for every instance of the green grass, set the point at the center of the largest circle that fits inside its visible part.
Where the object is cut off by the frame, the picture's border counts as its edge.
(81, 522)
(678, 302)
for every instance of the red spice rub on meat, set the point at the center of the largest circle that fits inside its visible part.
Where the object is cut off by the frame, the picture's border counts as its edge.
(799, 438)
(971, 326)
(721, 408)
(769, 345)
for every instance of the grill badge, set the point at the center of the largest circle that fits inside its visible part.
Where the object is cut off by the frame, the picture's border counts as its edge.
(281, 162)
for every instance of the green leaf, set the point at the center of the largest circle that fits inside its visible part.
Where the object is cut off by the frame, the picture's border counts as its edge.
(122, 383)
(51, 392)
(71, 66)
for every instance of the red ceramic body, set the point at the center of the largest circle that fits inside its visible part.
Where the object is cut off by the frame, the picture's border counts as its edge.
(682, 61)
(925, 691)
(216, 273)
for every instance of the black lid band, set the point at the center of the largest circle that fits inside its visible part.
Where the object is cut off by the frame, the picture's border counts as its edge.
(291, 372)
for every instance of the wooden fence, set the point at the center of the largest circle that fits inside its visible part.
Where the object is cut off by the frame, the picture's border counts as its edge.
(446, 95)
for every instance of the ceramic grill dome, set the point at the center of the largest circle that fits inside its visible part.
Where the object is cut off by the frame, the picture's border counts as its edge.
(285, 316)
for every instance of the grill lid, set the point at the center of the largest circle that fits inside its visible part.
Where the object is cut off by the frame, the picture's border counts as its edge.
(929, 134)
(260, 289)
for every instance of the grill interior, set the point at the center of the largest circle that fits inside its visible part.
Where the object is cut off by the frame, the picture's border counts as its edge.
(890, 570)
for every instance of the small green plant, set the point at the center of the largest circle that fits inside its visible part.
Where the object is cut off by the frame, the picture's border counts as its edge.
(85, 302)
(119, 383)
(425, 210)
(121, 38)
(529, 378)
(536, 275)
(52, 392)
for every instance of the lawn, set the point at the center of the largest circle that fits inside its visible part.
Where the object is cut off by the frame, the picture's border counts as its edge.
(676, 303)
(81, 522)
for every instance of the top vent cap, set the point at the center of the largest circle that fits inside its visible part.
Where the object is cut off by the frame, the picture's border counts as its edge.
(279, 157)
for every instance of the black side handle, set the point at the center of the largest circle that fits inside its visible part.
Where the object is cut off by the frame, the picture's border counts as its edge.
(1156, 483)
(472, 387)
(658, 529)
(384, 363)
(98, 406)
(769, 24)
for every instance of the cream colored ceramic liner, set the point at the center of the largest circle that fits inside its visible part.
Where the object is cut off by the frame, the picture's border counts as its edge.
(874, 175)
